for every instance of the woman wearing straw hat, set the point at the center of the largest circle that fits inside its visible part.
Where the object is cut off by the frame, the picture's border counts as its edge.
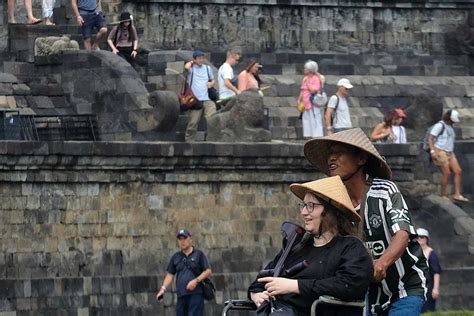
(435, 269)
(339, 264)
(400, 269)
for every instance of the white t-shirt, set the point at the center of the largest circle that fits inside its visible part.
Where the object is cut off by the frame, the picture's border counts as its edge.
(444, 140)
(225, 72)
(342, 118)
(400, 136)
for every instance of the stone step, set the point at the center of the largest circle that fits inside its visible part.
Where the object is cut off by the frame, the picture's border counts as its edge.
(361, 64)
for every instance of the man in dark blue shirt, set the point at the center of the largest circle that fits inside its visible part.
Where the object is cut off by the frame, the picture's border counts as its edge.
(183, 264)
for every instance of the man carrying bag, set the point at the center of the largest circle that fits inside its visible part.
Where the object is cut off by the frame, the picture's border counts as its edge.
(201, 81)
(190, 293)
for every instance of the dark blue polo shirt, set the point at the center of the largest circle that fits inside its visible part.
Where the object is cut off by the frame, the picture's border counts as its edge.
(177, 266)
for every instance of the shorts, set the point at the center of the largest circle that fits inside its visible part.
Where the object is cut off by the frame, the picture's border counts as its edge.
(92, 20)
(442, 157)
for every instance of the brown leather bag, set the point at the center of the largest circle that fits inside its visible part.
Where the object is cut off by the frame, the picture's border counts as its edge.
(187, 99)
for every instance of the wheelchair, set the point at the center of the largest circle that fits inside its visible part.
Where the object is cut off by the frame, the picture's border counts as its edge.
(246, 305)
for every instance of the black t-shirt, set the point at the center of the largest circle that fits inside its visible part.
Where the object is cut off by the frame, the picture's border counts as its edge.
(178, 266)
(342, 268)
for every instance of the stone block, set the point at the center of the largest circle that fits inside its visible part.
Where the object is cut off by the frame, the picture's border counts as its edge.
(3, 101)
(7, 78)
(43, 288)
(161, 57)
(173, 68)
(11, 102)
(6, 89)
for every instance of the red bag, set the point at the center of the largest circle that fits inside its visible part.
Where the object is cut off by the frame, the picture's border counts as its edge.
(187, 99)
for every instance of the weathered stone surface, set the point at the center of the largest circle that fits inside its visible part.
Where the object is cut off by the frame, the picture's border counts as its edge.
(240, 120)
(276, 27)
(52, 45)
(167, 105)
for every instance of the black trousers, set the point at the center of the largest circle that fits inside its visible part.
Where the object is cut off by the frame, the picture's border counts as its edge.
(125, 52)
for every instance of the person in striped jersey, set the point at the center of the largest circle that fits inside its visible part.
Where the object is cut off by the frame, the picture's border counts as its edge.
(400, 268)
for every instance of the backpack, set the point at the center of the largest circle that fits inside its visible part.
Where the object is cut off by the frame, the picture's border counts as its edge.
(333, 114)
(426, 144)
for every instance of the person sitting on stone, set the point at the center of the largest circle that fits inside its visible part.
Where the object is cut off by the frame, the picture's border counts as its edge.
(29, 11)
(390, 131)
(123, 39)
(48, 6)
(339, 264)
(200, 79)
(248, 77)
(89, 15)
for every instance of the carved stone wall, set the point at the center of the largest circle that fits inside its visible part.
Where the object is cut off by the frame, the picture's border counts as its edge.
(336, 26)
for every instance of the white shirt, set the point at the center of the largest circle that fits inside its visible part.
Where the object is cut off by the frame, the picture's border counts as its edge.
(342, 118)
(400, 136)
(444, 140)
(225, 72)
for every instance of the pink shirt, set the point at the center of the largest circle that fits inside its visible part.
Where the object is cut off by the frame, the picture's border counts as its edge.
(311, 83)
(247, 81)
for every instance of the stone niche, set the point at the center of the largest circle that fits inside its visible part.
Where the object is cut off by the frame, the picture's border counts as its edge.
(333, 26)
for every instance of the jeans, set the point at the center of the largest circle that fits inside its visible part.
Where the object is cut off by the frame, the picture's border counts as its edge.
(190, 305)
(408, 306)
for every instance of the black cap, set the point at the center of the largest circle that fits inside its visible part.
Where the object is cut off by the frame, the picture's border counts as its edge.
(183, 233)
(125, 16)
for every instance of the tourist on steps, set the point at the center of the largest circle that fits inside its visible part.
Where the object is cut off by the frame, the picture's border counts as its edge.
(311, 84)
(89, 15)
(390, 131)
(123, 39)
(29, 11)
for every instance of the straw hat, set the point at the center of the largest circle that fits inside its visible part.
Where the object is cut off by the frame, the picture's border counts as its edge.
(332, 190)
(317, 152)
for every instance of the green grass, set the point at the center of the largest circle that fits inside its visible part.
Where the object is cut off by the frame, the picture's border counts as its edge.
(450, 313)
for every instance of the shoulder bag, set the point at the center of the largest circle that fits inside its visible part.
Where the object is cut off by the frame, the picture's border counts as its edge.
(212, 92)
(187, 99)
(208, 288)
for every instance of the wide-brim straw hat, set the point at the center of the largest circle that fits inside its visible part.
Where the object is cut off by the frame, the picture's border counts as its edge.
(317, 152)
(331, 190)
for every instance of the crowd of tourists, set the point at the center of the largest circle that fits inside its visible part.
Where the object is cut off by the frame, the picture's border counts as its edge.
(362, 242)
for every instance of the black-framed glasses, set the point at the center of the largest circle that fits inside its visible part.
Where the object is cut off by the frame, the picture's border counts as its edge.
(309, 206)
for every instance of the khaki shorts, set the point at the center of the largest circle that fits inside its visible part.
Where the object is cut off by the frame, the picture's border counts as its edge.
(442, 157)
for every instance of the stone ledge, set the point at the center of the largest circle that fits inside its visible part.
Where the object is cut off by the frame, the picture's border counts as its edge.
(326, 3)
(178, 149)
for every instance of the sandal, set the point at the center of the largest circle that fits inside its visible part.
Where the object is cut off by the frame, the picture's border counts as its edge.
(461, 199)
(36, 21)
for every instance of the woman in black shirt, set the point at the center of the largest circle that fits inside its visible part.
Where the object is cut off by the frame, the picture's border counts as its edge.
(339, 264)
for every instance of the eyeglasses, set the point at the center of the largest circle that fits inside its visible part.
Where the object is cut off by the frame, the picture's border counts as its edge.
(309, 206)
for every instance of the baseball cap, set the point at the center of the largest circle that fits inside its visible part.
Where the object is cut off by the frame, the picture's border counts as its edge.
(345, 83)
(422, 232)
(198, 53)
(183, 233)
(454, 116)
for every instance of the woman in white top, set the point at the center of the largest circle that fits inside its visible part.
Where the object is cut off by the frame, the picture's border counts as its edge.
(390, 131)
(441, 141)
